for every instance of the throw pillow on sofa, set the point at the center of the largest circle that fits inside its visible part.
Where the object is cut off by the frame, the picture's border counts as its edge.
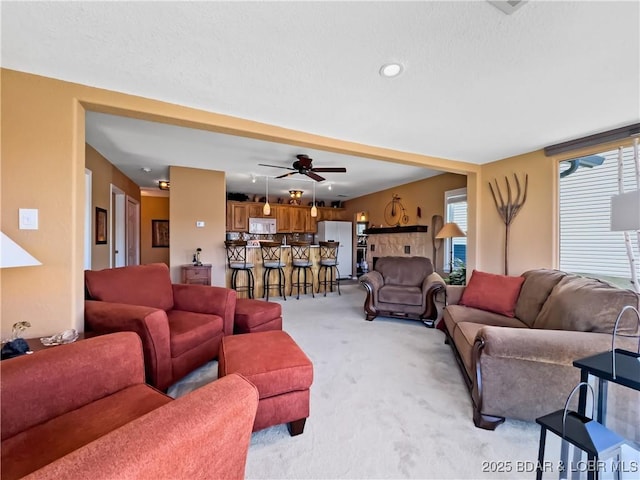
(493, 293)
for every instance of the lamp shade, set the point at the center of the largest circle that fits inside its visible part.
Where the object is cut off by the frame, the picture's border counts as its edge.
(13, 255)
(450, 230)
(625, 211)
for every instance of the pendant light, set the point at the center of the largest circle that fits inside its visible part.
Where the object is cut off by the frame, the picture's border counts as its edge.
(266, 210)
(314, 210)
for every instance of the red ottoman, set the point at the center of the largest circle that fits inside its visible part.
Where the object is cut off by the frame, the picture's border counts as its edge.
(257, 316)
(280, 370)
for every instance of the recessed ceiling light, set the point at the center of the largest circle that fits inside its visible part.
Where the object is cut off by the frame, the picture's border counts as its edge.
(391, 70)
(146, 169)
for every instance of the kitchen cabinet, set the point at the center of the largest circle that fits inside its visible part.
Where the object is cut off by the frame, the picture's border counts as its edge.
(310, 223)
(240, 215)
(255, 210)
(229, 224)
(289, 218)
(283, 218)
(298, 218)
(330, 214)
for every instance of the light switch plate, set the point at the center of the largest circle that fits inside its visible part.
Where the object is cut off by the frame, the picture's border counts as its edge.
(199, 224)
(28, 218)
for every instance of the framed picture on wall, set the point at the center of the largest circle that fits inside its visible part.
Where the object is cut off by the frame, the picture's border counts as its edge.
(160, 233)
(101, 226)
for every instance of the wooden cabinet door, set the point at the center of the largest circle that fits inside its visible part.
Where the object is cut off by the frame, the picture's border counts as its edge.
(283, 218)
(240, 217)
(229, 225)
(325, 213)
(310, 223)
(298, 219)
(255, 210)
(330, 213)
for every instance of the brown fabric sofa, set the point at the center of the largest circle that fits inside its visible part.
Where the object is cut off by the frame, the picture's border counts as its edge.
(180, 325)
(402, 287)
(521, 367)
(83, 411)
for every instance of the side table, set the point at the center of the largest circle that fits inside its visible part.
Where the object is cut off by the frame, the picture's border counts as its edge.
(196, 274)
(627, 369)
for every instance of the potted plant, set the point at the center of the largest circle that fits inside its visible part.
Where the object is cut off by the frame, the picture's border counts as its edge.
(458, 275)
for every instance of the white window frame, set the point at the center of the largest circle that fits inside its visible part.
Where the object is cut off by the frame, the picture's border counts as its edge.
(451, 197)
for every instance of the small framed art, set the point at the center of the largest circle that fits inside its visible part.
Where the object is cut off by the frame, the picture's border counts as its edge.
(160, 233)
(101, 226)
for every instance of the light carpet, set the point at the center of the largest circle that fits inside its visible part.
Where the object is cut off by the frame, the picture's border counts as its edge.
(387, 401)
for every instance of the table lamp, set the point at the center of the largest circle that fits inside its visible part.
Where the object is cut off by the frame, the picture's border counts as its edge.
(13, 255)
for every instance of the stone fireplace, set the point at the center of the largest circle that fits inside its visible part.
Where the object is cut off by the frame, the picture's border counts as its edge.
(407, 241)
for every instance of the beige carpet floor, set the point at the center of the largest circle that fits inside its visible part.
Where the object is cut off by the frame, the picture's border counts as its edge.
(387, 401)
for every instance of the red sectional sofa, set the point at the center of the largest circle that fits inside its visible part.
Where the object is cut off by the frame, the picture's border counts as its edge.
(180, 325)
(83, 411)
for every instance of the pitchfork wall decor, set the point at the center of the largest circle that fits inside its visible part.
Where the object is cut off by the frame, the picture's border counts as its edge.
(509, 209)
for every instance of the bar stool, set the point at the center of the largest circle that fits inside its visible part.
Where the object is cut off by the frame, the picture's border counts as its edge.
(272, 261)
(328, 266)
(237, 262)
(301, 262)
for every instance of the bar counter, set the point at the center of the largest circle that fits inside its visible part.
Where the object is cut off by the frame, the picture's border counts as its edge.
(254, 256)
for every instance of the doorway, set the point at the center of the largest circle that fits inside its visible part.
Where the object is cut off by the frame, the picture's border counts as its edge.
(125, 229)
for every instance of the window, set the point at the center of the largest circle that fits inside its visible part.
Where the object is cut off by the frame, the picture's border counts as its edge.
(455, 202)
(587, 244)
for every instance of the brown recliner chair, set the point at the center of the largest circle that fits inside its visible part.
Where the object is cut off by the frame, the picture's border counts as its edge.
(180, 326)
(402, 287)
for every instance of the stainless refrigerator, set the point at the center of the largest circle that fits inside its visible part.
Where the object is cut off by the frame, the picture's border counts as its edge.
(342, 232)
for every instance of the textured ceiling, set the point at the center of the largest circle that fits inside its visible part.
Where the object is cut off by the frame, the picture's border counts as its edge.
(477, 86)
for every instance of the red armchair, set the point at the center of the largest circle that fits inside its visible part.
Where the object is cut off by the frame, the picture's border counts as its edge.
(83, 411)
(180, 325)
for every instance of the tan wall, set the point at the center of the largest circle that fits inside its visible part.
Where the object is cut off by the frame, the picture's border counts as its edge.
(104, 174)
(426, 194)
(43, 158)
(533, 237)
(43, 168)
(197, 195)
(152, 208)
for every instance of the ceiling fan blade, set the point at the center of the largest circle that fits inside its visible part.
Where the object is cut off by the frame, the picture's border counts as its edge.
(275, 166)
(285, 175)
(316, 177)
(330, 169)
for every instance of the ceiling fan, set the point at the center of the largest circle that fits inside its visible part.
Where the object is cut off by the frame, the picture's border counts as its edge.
(303, 166)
